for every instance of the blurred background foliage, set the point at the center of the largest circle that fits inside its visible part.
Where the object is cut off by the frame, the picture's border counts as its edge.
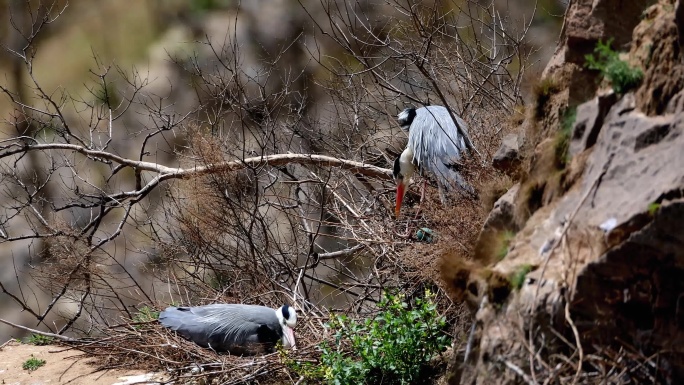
(141, 33)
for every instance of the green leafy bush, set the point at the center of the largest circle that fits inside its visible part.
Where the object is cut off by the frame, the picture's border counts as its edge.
(394, 347)
(619, 73)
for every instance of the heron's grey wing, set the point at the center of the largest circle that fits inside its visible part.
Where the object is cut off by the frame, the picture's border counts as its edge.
(437, 144)
(186, 323)
(241, 325)
(223, 327)
(456, 134)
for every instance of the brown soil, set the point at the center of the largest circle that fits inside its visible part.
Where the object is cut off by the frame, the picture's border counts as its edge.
(62, 366)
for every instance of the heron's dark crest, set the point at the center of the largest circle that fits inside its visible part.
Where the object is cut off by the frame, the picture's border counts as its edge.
(286, 312)
(396, 172)
(406, 117)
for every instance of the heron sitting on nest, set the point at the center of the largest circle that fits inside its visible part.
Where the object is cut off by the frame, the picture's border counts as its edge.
(235, 328)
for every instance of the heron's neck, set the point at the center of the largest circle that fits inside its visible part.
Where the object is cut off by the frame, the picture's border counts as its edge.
(285, 340)
(406, 163)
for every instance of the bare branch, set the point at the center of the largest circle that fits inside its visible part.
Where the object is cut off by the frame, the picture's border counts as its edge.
(168, 172)
(42, 333)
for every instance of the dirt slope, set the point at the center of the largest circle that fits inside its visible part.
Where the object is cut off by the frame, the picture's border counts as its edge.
(62, 366)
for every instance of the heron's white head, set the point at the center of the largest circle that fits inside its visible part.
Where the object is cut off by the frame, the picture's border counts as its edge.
(403, 171)
(287, 318)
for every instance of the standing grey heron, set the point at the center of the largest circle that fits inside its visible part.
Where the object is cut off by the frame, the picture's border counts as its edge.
(235, 328)
(435, 145)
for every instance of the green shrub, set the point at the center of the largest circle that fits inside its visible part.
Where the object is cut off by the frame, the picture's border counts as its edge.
(394, 347)
(619, 73)
(32, 363)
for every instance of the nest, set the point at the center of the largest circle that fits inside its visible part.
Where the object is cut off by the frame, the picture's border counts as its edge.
(151, 347)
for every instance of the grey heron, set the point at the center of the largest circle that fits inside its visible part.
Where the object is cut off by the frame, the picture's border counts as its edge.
(235, 328)
(435, 145)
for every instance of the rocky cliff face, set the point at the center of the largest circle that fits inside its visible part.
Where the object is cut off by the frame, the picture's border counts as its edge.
(595, 272)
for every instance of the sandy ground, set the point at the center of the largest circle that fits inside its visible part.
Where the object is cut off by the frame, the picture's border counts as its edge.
(62, 366)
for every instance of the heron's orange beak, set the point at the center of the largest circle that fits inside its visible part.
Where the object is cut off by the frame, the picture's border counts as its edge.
(401, 189)
(289, 335)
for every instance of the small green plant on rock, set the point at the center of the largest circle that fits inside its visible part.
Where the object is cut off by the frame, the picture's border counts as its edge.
(39, 340)
(619, 73)
(505, 242)
(518, 277)
(145, 314)
(394, 347)
(32, 363)
(543, 91)
(653, 208)
(562, 143)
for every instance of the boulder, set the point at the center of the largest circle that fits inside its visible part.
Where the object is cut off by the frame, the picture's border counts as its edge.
(508, 157)
(502, 216)
(657, 51)
(588, 123)
(590, 20)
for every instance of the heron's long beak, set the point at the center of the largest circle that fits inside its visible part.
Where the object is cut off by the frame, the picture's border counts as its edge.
(289, 335)
(401, 190)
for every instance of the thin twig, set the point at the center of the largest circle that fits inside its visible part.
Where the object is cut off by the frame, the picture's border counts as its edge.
(519, 372)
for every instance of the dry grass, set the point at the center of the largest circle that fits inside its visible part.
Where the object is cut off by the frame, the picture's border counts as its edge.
(493, 189)
(542, 91)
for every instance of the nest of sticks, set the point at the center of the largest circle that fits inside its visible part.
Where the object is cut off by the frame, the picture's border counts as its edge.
(151, 347)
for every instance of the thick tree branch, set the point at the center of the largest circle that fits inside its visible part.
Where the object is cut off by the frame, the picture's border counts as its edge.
(171, 173)
(283, 159)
